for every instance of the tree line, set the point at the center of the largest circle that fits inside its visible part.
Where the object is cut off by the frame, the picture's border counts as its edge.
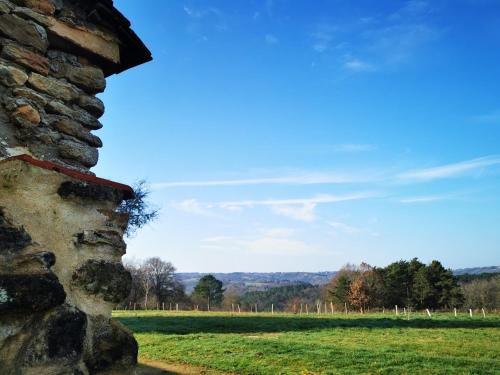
(410, 284)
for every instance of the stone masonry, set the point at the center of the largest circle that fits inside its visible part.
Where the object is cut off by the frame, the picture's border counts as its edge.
(61, 238)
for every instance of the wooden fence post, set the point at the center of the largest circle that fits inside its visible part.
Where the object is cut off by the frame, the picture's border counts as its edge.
(470, 312)
(272, 308)
(397, 310)
(428, 313)
(331, 307)
(484, 313)
(455, 311)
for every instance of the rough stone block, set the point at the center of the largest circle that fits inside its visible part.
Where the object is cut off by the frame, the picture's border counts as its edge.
(29, 14)
(30, 293)
(12, 238)
(38, 261)
(54, 87)
(6, 6)
(25, 32)
(88, 78)
(26, 58)
(42, 6)
(57, 338)
(76, 130)
(81, 152)
(70, 189)
(30, 94)
(66, 333)
(110, 281)
(103, 238)
(78, 115)
(113, 350)
(26, 113)
(92, 105)
(87, 40)
(11, 76)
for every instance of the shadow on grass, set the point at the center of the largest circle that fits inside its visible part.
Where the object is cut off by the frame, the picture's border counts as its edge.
(147, 367)
(181, 325)
(150, 370)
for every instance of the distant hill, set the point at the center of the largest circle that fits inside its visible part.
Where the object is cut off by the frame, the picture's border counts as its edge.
(259, 281)
(477, 270)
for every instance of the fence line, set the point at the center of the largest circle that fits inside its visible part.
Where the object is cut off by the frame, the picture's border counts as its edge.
(321, 309)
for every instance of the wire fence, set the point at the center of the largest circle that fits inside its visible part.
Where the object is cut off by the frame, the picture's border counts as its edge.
(306, 309)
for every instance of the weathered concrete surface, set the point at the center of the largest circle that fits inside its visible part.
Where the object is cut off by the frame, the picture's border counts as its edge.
(59, 283)
(24, 199)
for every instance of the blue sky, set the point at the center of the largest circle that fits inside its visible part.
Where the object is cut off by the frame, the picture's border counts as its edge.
(283, 136)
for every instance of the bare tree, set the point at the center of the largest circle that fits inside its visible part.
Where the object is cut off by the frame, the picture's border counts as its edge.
(138, 208)
(161, 278)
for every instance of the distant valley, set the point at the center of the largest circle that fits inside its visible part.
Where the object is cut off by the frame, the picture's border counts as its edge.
(255, 281)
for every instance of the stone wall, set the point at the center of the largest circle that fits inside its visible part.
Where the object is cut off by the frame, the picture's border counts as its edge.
(61, 272)
(53, 61)
(61, 238)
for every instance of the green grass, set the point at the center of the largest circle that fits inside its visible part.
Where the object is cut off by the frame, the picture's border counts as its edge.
(320, 344)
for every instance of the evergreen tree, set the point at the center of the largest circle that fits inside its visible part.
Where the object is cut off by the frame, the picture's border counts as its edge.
(208, 290)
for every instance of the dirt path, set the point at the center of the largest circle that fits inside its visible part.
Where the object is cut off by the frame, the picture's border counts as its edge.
(161, 368)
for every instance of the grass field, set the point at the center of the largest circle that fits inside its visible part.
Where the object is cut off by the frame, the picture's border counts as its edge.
(319, 344)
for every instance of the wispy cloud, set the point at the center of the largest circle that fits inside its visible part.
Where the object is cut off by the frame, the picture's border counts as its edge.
(192, 206)
(377, 41)
(488, 118)
(305, 179)
(276, 241)
(280, 232)
(345, 228)
(426, 199)
(281, 246)
(302, 209)
(349, 230)
(459, 169)
(354, 147)
(271, 39)
(191, 12)
(319, 199)
(202, 20)
(201, 13)
(305, 212)
(323, 37)
(450, 170)
(356, 65)
(397, 44)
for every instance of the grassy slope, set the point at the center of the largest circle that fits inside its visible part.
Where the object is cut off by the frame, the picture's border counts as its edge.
(288, 344)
